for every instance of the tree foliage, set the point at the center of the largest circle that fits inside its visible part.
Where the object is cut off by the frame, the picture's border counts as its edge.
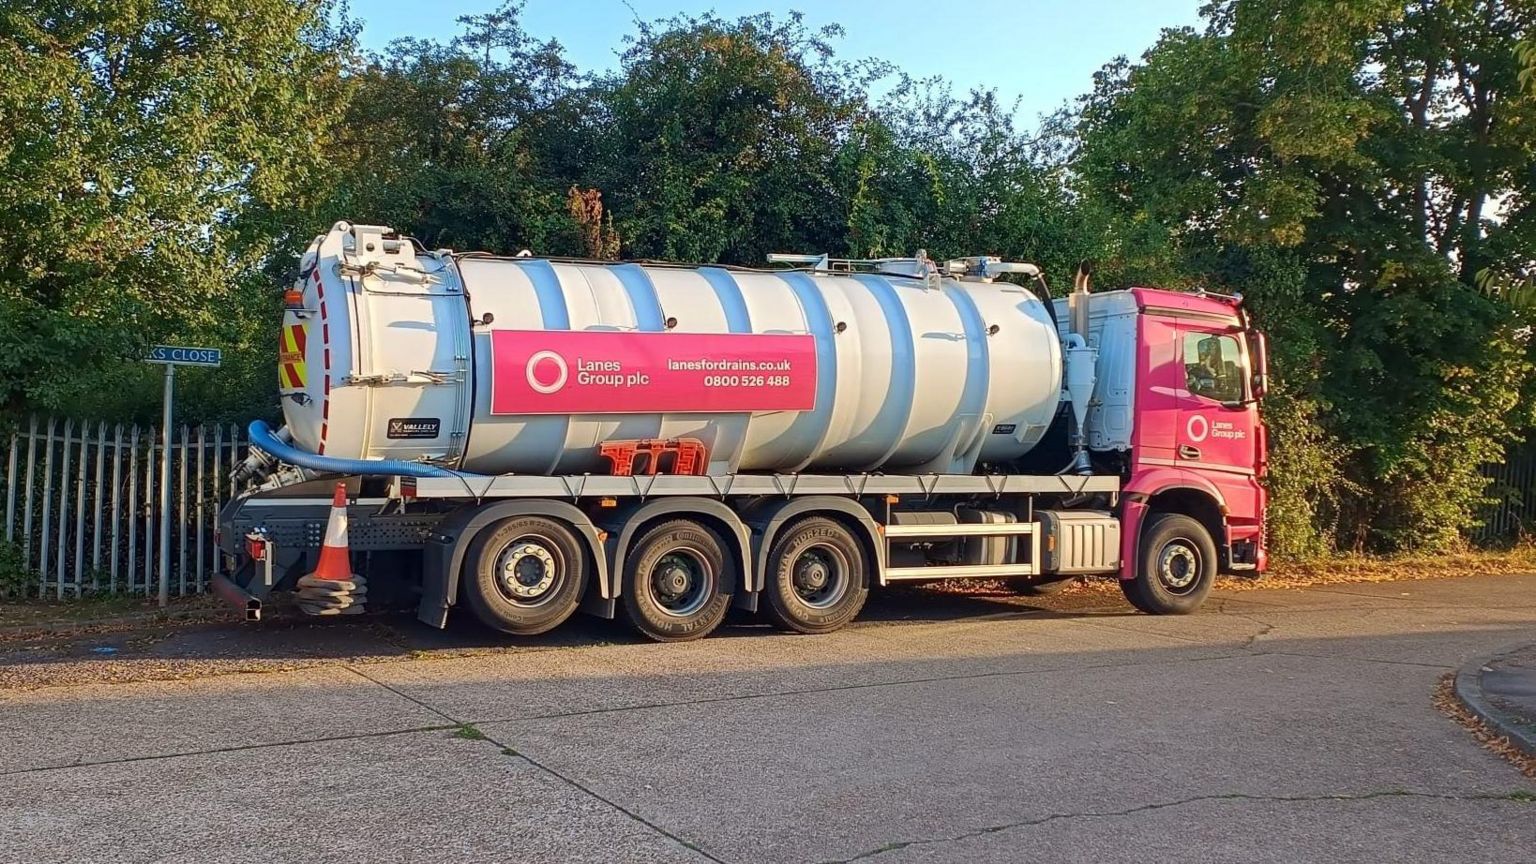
(715, 138)
(132, 138)
(1361, 170)
(1351, 167)
(458, 142)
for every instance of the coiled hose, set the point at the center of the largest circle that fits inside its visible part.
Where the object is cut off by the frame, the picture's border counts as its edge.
(264, 439)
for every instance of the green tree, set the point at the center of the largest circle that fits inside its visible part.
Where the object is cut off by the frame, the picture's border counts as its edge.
(1527, 57)
(1362, 171)
(1350, 167)
(448, 140)
(133, 138)
(717, 138)
(928, 170)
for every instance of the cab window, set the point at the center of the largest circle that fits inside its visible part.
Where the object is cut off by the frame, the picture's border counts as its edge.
(1213, 366)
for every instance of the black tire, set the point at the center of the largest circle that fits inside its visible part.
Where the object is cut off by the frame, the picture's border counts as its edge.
(1039, 586)
(525, 575)
(816, 577)
(677, 581)
(1175, 566)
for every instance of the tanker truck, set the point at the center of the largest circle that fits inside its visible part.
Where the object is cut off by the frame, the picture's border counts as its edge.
(526, 437)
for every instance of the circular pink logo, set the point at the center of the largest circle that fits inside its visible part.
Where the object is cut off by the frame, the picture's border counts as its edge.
(546, 372)
(1198, 428)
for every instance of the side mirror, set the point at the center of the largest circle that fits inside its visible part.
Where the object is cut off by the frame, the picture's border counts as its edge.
(1258, 351)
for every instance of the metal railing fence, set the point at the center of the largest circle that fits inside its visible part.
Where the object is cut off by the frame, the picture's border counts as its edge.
(1512, 515)
(82, 505)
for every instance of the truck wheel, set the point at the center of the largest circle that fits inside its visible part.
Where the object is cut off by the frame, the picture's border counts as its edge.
(815, 577)
(527, 577)
(1176, 566)
(676, 582)
(1039, 586)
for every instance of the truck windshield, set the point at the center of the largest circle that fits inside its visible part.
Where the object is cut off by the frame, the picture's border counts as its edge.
(1214, 366)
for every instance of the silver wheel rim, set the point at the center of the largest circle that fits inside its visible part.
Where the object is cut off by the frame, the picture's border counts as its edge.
(819, 576)
(528, 569)
(1178, 567)
(680, 582)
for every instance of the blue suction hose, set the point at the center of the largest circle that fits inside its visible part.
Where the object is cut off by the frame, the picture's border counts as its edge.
(264, 439)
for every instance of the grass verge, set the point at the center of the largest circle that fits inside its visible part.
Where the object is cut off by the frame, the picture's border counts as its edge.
(1395, 568)
(34, 615)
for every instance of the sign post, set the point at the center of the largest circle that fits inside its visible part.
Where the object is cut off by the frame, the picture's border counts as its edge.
(172, 356)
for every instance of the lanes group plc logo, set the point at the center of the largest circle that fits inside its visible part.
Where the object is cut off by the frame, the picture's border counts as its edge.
(1198, 428)
(546, 372)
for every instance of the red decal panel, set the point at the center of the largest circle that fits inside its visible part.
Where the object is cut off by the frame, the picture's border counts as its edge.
(607, 372)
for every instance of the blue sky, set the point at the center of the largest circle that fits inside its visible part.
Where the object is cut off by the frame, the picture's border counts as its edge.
(1043, 51)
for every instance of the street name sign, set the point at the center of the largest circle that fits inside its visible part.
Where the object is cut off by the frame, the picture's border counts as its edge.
(185, 355)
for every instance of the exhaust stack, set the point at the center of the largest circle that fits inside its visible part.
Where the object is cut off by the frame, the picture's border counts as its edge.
(1077, 301)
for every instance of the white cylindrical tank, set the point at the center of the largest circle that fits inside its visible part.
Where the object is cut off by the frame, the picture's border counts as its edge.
(528, 365)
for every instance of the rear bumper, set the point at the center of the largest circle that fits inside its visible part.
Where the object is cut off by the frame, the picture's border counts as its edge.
(236, 596)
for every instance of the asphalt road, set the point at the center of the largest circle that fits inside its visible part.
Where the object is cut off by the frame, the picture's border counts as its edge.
(1279, 725)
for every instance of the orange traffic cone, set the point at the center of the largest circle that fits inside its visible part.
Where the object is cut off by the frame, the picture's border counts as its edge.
(333, 589)
(335, 563)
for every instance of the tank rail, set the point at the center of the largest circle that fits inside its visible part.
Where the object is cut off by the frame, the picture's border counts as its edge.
(726, 485)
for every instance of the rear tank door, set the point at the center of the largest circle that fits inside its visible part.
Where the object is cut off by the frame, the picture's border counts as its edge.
(408, 383)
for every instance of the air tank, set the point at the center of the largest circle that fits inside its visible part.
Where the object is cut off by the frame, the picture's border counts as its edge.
(529, 365)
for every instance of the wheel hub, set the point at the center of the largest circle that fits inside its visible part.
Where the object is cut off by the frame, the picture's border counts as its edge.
(680, 583)
(1178, 566)
(527, 570)
(812, 575)
(820, 577)
(674, 581)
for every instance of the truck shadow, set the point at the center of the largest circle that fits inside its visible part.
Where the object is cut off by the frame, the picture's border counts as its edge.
(893, 605)
(288, 638)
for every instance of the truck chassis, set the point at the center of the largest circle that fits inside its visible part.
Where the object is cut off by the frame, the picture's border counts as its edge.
(909, 527)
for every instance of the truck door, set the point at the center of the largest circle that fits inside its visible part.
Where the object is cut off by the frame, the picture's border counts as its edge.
(1216, 422)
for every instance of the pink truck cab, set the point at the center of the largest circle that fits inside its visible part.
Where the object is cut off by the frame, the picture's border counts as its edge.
(1177, 402)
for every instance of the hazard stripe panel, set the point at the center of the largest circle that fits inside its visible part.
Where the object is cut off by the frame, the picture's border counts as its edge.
(291, 369)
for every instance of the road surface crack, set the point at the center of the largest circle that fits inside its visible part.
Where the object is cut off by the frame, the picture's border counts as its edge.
(404, 695)
(468, 731)
(1351, 659)
(1265, 628)
(513, 753)
(237, 748)
(1522, 797)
